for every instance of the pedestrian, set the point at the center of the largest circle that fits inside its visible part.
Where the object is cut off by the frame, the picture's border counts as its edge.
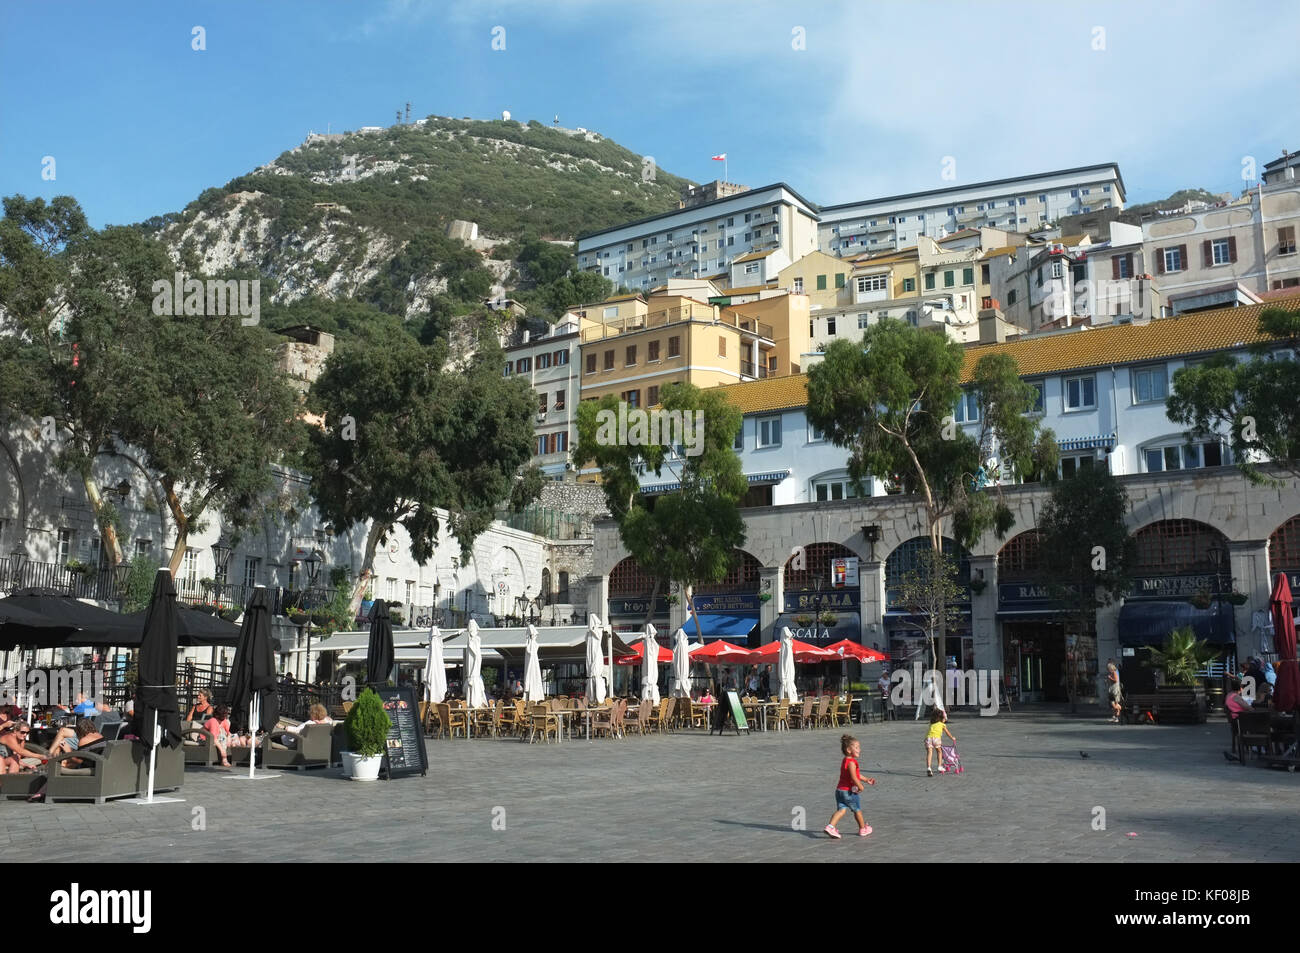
(1114, 690)
(934, 739)
(846, 792)
(765, 683)
(752, 683)
(886, 703)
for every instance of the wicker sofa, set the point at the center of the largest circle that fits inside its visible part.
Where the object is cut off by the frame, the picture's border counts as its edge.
(111, 770)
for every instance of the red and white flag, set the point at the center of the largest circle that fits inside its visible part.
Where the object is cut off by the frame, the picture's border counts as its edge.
(721, 158)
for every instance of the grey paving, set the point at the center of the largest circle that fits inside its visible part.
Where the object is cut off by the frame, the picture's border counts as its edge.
(1026, 795)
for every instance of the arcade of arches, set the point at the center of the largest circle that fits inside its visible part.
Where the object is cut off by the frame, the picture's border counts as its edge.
(1207, 549)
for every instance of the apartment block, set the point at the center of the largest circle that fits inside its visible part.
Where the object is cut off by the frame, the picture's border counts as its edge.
(550, 363)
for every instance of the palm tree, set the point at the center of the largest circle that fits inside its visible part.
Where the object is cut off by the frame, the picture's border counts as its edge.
(1182, 657)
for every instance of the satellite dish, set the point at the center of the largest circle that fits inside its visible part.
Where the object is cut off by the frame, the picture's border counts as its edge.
(505, 114)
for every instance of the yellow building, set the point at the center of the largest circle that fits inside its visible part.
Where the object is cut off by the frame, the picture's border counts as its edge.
(822, 277)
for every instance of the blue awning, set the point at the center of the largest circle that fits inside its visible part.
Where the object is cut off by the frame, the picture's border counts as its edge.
(734, 627)
(754, 479)
(1149, 623)
(1106, 440)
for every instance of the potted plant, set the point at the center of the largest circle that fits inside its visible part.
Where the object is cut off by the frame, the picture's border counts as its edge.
(765, 597)
(977, 586)
(828, 619)
(1201, 599)
(396, 616)
(1177, 664)
(1237, 598)
(367, 726)
(803, 621)
(299, 616)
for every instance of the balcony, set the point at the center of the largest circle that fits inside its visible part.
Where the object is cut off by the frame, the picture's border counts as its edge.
(755, 371)
(670, 316)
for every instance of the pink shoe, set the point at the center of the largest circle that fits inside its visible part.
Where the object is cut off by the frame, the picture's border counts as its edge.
(832, 831)
(864, 831)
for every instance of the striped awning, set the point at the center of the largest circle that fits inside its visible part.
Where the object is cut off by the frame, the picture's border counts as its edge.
(755, 479)
(1105, 440)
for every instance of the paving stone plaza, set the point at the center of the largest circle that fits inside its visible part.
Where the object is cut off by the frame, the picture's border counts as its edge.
(1026, 795)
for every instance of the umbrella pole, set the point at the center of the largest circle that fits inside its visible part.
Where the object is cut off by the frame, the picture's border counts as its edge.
(252, 733)
(153, 755)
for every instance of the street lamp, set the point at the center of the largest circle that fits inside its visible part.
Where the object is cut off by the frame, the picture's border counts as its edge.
(123, 490)
(17, 562)
(221, 551)
(872, 535)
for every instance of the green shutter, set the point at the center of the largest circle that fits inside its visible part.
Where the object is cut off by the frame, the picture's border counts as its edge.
(839, 280)
(821, 282)
(948, 279)
(968, 276)
(909, 284)
(929, 281)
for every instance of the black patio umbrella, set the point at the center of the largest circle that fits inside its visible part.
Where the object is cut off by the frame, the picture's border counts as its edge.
(19, 626)
(158, 709)
(252, 677)
(93, 625)
(379, 654)
(195, 628)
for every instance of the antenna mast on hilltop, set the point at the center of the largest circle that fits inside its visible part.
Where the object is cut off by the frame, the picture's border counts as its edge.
(398, 120)
(408, 112)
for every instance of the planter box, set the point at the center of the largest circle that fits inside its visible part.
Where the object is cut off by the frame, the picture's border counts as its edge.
(1181, 704)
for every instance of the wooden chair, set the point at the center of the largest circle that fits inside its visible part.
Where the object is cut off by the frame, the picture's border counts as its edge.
(432, 723)
(487, 720)
(452, 719)
(780, 717)
(637, 721)
(840, 714)
(803, 714)
(823, 718)
(1253, 731)
(543, 721)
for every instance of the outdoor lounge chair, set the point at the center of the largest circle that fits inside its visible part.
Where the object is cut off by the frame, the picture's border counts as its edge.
(311, 751)
(197, 747)
(113, 769)
(1253, 731)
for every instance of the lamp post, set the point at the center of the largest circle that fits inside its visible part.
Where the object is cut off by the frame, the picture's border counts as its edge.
(17, 563)
(221, 551)
(872, 535)
(121, 576)
(313, 564)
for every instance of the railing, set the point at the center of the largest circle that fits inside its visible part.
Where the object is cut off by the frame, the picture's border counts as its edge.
(548, 522)
(749, 369)
(100, 584)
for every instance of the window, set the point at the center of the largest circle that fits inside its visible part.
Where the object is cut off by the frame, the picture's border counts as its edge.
(652, 395)
(1087, 208)
(652, 351)
(827, 491)
(631, 356)
(979, 208)
(629, 246)
(984, 272)
(929, 281)
(1073, 464)
(1086, 191)
(798, 286)
(821, 282)
(609, 360)
(559, 400)
(1058, 269)
(1021, 200)
(863, 320)
(731, 240)
(252, 566)
(1042, 199)
(839, 279)
(631, 397)
(909, 285)
(739, 443)
(542, 443)
(968, 276)
(873, 283)
(1074, 193)
(1011, 296)
(144, 547)
(561, 358)
(510, 367)
(524, 365)
(1038, 387)
(731, 221)
(674, 346)
(961, 209)
(722, 346)
(1171, 259)
(1286, 240)
(748, 236)
(65, 546)
(830, 325)
(769, 432)
(910, 317)
(591, 363)
(950, 211)
(1221, 251)
(1184, 456)
(751, 268)
(1150, 384)
(541, 403)
(967, 410)
(949, 279)
(543, 361)
(1121, 266)
(815, 434)
(1080, 393)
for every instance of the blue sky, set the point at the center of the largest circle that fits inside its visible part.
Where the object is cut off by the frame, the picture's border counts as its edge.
(139, 123)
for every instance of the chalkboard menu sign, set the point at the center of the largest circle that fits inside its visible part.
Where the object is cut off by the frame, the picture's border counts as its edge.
(730, 707)
(404, 751)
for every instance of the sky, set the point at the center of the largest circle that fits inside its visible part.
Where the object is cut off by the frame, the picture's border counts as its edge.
(844, 101)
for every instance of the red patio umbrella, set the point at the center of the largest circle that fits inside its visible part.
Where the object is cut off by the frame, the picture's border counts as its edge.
(722, 651)
(846, 649)
(1286, 694)
(803, 652)
(638, 653)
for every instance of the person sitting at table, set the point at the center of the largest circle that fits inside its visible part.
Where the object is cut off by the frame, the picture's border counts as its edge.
(15, 756)
(707, 699)
(218, 726)
(202, 709)
(86, 737)
(1234, 701)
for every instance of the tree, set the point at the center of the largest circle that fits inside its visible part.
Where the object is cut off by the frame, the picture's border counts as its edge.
(1251, 402)
(890, 401)
(930, 591)
(405, 436)
(688, 536)
(1085, 552)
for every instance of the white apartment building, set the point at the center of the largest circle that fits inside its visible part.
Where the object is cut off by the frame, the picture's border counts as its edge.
(1023, 203)
(550, 364)
(702, 240)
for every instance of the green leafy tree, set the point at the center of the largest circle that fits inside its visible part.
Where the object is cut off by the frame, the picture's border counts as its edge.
(1253, 402)
(890, 399)
(930, 592)
(367, 725)
(408, 434)
(1085, 552)
(1181, 657)
(689, 536)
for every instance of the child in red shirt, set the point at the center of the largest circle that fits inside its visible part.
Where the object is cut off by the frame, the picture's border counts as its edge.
(846, 792)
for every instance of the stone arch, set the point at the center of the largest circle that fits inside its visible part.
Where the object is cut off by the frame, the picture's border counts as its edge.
(743, 576)
(1019, 559)
(547, 590)
(905, 555)
(1176, 546)
(1284, 546)
(816, 564)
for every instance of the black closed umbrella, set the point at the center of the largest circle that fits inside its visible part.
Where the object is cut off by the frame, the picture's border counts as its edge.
(253, 678)
(156, 704)
(380, 654)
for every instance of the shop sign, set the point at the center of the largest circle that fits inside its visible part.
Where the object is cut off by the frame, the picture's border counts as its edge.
(844, 572)
(1171, 587)
(637, 606)
(1027, 595)
(893, 597)
(728, 602)
(806, 601)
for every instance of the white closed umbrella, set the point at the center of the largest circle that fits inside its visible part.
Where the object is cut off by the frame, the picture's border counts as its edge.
(650, 666)
(785, 666)
(435, 671)
(681, 677)
(595, 663)
(475, 693)
(534, 691)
